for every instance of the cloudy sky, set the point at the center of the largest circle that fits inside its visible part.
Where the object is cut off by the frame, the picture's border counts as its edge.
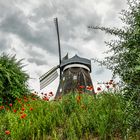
(27, 29)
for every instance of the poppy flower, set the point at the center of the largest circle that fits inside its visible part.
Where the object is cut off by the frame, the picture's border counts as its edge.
(89, 88)
(1, 107)
(23, 109)
(7, 132)
(10, 104)
(46, 99)
(50, 94)
(110, 82)
(31, 108)
(14, 110)
(81, 87)
(107, 87)
(23, 116)
(99, 89)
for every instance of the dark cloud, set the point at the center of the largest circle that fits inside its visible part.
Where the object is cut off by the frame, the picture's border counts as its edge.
(74, 17)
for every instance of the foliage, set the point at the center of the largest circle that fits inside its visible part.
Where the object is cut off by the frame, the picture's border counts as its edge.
(12, 78)
(125, 61)
(73, 117)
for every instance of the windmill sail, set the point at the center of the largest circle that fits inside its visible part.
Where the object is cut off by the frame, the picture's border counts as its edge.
(48, 77)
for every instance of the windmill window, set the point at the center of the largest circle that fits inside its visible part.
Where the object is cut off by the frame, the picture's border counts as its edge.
(75, 77)
(63, 78)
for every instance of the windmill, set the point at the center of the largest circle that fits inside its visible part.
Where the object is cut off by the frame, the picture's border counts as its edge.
(74, 73)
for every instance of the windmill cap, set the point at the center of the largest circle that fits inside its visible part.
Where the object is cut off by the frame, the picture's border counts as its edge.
(76, 60)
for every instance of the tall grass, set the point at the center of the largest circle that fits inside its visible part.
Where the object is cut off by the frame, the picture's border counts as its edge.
(74, 117)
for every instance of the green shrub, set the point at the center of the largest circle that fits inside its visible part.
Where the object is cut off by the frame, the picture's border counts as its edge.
(13, 80)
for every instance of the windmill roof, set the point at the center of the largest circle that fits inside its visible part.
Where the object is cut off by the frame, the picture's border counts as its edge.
(76, 60)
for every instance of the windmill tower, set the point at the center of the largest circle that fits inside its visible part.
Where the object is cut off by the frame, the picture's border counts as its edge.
(74, 73)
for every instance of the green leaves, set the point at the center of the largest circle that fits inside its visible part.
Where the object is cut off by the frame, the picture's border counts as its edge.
(13, 81)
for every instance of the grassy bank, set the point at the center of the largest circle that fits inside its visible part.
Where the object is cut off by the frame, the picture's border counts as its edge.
(73, 117)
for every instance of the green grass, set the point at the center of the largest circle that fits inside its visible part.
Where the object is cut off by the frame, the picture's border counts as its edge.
(74, 117)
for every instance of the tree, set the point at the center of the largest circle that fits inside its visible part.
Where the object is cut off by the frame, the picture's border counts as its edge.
(125, 61)
(13, 80)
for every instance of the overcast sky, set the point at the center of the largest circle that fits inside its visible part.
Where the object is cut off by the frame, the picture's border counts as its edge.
(27, 29)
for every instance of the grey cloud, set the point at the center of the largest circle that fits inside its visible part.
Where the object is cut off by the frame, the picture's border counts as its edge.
(73, 16)
(17, 24)
(3, 44)
(38, 61)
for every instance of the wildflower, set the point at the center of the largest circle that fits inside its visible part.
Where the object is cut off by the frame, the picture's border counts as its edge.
(23, 116)
(107, 87)
(81, 87)
(14, 110)
(23, 109)
(50, 94)
(89, 88)
(31, 108)
(110, 82)
(99, 89)
(46, 99)
(1, 107)
(78, 98)
(10, 104)
(7, 132)
(21, 112)
(28, 105)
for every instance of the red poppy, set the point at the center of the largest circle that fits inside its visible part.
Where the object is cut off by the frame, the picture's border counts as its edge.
(1, 107)
(110, 82)
(23, 109)
(99, 89)
(107, 87)
(7, 132)
(51, 94)
(46, 99)
(10, 104)
(31, 108)
(89, 88)
(81, 87)
(15, 110)
(23, 116)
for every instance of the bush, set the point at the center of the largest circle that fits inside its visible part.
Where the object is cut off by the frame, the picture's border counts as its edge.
(13, 80)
